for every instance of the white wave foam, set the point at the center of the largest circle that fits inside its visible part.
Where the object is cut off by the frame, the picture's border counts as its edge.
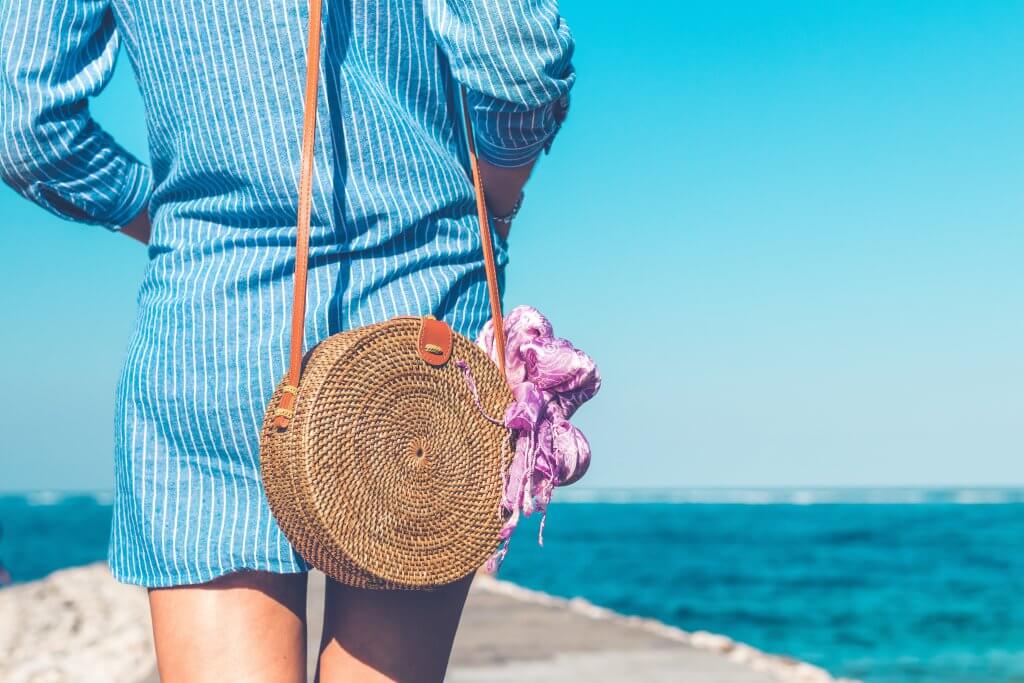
(44, 498)
(797, 496)
(47, 498)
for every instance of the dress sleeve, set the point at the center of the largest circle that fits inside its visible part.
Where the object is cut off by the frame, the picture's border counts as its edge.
(54, 55)
(515, 59)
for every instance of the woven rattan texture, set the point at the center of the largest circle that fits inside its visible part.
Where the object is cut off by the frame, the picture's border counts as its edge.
(389, 476)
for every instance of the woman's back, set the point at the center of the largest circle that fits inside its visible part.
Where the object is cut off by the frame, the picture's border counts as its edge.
(223, 87)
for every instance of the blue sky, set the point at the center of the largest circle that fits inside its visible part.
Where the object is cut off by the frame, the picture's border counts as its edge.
(792, 234)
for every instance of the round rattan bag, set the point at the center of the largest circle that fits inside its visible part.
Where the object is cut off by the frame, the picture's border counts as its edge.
(389, 474)
(380, 454)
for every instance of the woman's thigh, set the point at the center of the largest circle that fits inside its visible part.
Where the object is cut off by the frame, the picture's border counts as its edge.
(374, 635)
(248, 627)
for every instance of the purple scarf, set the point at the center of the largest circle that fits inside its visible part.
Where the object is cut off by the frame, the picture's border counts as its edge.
(550, 379)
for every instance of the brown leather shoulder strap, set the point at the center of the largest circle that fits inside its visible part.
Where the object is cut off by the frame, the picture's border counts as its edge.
(285, 409)
(485, 238)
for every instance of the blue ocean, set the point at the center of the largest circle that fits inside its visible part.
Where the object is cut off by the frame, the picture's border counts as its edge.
(883, 586)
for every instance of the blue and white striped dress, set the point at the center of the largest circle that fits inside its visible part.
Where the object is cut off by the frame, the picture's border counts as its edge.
(393, 213)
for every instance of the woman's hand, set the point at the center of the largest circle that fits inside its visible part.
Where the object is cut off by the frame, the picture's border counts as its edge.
(139, 227)
(502, 187)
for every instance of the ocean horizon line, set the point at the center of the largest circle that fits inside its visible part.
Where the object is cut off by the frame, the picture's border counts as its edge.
(709, 495)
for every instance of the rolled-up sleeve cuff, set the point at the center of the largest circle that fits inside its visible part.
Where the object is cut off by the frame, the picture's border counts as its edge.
(509, 136)
(137, 188)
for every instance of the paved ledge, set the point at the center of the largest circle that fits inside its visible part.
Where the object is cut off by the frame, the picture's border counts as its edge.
(80, 625)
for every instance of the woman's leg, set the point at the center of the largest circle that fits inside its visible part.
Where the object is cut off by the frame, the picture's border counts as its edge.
(248, 627)
(373, 635)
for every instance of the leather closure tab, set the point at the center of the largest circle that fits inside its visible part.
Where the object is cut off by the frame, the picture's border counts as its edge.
(435, 345)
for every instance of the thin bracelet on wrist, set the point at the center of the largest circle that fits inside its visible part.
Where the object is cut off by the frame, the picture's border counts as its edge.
(510, 216)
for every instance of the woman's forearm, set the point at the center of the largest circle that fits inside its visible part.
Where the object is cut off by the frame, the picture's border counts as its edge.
(502, 186)
(139, 227)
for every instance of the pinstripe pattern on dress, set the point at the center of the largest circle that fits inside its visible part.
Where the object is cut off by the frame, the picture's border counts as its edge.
(393, 228)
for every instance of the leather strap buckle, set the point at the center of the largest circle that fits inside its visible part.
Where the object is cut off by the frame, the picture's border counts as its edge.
(435, 343)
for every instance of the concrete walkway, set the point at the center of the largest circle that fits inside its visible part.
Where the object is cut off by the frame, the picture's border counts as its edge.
(79, 625)
(507, 636)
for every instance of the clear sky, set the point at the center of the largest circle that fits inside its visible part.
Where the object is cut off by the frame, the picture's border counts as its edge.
(792, 234)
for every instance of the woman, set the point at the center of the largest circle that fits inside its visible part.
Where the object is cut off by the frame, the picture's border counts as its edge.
(393, 234)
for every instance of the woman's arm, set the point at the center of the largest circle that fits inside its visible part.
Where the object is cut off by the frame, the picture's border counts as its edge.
(515, 59)
(502, 187)
(139, 227)
(54, 55)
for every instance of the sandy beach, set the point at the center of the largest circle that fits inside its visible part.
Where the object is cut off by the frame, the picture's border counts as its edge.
(80, 625)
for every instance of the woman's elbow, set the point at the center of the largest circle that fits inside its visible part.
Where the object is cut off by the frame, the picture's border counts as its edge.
(19, 162)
